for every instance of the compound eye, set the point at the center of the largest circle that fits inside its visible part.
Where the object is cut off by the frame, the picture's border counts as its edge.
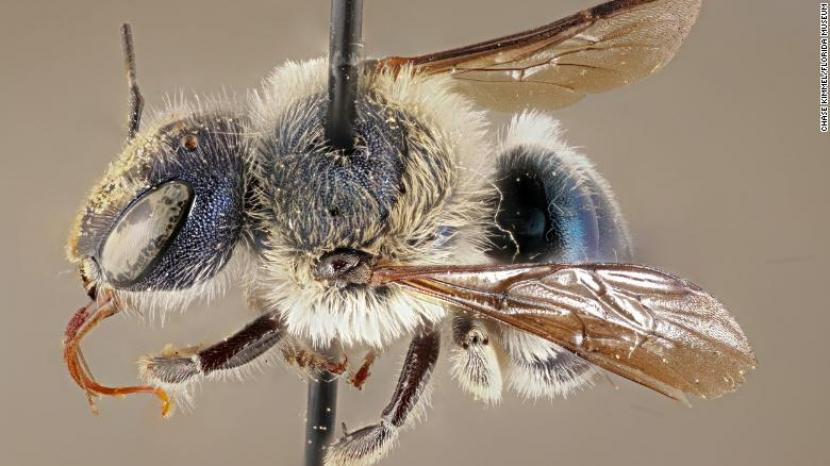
(144, 231)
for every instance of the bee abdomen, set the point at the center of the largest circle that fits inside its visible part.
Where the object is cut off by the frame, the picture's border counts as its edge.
(552, 205)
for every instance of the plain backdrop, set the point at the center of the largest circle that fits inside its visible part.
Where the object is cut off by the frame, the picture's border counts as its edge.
(717, 162)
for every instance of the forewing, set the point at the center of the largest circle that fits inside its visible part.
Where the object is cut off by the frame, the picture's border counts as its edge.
(607, 46)
(643, 324)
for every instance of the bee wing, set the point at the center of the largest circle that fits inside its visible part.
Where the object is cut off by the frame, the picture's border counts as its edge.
(640, 323)
(607, 46)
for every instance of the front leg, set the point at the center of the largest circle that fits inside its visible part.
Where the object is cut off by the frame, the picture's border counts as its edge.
(176, 369)
(370, 444)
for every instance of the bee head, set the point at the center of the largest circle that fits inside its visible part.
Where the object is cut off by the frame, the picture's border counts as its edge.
(169, 210)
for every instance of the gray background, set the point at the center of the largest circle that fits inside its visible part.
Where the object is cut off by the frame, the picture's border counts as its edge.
(717, 162)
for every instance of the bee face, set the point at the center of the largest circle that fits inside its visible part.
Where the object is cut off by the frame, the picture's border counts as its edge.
(170, 209)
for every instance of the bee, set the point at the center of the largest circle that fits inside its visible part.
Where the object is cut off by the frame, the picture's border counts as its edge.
(516, 249)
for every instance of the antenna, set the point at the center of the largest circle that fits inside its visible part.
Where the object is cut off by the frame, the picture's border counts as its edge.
(136, 101)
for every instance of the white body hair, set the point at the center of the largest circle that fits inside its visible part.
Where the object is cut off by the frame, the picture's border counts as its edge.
(321, 315)
(528, 374)
(476, 361)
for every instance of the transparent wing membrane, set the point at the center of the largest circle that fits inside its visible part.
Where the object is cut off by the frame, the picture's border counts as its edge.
(601, 48)
(643, 324)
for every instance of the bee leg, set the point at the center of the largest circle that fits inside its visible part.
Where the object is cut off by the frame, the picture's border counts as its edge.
(474, 363)
(359, 378)
(180, 367)
(371, 443)
(537, 368)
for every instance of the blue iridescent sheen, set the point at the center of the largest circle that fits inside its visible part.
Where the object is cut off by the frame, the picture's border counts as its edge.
(550, 210)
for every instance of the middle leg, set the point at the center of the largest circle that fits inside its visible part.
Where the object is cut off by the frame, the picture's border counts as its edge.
(371, 443)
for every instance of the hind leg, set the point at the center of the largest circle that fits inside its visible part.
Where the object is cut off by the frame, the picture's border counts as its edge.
(474, 363)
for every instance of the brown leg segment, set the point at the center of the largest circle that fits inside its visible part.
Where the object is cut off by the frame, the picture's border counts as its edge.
(312, 362)
(359, 377)
(239, 349)
(370, 444)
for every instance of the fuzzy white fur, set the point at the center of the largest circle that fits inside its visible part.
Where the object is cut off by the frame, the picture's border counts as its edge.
(472, 367)
(523, 348)
(321, 315)
(477, 369)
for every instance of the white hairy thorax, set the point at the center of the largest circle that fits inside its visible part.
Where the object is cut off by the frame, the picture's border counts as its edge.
(322, 315)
